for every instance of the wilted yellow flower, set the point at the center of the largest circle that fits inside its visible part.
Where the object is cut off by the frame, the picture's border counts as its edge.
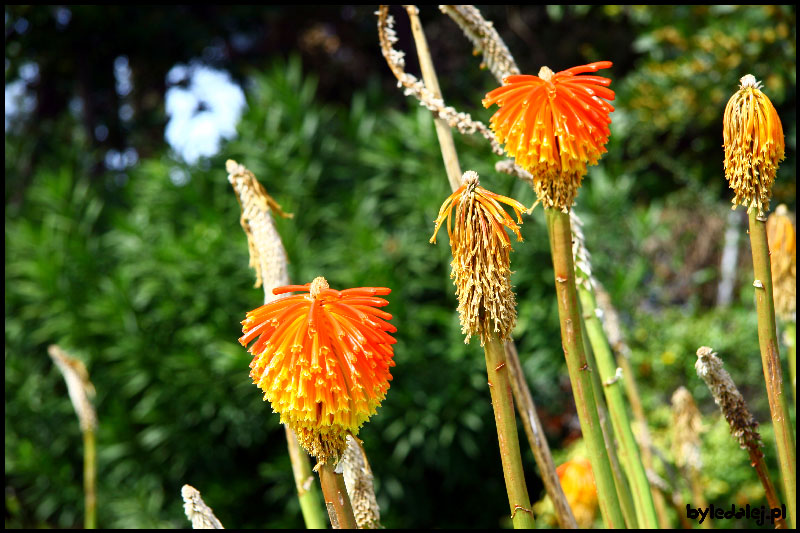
(782, 243)
(480, 266)
(577, 481)
(322, 360)
(554, 125)
(753, 141)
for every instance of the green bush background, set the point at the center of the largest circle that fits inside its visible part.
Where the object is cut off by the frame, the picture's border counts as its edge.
(147, 281)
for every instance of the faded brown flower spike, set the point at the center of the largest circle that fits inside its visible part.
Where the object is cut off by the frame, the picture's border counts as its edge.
(730, 401)
(480, 266)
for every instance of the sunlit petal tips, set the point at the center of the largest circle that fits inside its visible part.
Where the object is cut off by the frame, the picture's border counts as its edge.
(322, 360)
(554, 125)
(754, 144)
(481, 247)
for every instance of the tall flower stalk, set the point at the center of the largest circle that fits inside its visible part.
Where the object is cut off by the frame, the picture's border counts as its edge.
(611, 378)
(500, 62)
(81, 391)
(613, 332)
(268, 259)
(754, 147)
(554, 125)
(487, 309)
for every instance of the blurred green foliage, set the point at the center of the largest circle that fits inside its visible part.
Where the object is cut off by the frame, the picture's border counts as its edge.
(147, 281)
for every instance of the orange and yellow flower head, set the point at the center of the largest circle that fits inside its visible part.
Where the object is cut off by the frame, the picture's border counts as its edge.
(480, 266)
(577, 481)
(322, 359)
(782, 242)
(754, 144)
(554, 125)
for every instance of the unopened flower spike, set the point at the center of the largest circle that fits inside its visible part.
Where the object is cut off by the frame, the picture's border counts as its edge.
(480, 266)
(754, 144)
(322, 359)
(554, 125)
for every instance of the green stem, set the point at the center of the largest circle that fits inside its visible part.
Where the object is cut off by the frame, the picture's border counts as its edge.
(770, 360)
(307, 491)
(505, 420)
(523, 401)
(612, 388)
(337, 501)
(629, 511)
(629, 382)
(89, 479)
(561, 248)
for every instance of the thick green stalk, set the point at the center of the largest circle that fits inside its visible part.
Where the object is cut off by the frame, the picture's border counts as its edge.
(612, 388)
(641, 431)
(89, 479)
(307, 491)
(770, 360)
(523, 401)
(624, 496)
(505, 420)
(644, 436)
(337, 501)
(578, 367)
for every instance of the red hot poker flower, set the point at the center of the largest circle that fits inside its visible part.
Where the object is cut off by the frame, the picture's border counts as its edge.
(322, 360)
(554, 125)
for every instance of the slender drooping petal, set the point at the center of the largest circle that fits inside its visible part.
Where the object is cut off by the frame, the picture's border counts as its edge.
(554, 125)
(480, 266)
(753, 140)
(322, 360)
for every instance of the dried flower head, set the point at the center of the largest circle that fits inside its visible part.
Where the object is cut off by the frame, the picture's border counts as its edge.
(753, 140)
(782, 242)
(267, 255)
(79, 387)
(554, 125)
(199, 514)
(322, 360)
(730, 401)
(687, 424)
(480, 266)
(358, 479)
(577, 481)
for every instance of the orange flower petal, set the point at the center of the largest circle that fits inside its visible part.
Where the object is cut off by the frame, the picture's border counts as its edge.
(322, 360)
(554, 126)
